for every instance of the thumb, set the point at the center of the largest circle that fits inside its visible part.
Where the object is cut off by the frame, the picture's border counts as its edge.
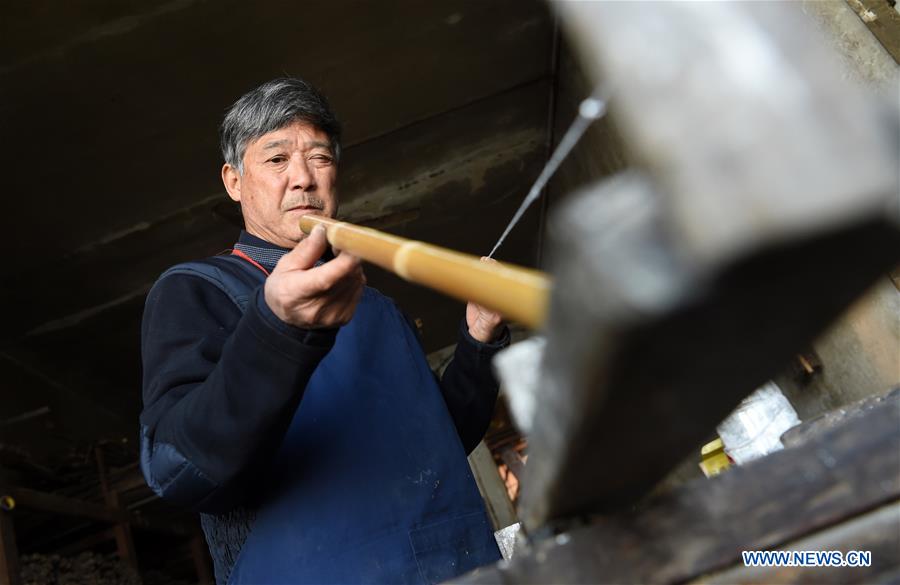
(307, 252)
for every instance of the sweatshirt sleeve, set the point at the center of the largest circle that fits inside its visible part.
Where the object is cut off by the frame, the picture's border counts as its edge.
(470, 387)
(220, 389)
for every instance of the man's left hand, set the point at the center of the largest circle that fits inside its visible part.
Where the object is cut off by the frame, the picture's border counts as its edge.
(484, 325)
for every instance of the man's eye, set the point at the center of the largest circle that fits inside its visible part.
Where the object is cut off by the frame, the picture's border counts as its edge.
(277, 159)
(322, 159)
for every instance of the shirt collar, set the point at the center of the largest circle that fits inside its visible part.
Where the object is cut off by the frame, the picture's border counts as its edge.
(267, 253)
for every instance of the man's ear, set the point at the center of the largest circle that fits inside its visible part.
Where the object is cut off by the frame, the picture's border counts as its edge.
(232, 180)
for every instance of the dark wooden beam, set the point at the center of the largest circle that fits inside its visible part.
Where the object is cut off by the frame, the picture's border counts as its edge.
(877, 532)
(122, 530)
(55, 504)
(883, 20)
(9, 553)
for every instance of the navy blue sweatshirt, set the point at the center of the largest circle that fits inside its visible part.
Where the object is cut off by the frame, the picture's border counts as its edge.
(221, 386)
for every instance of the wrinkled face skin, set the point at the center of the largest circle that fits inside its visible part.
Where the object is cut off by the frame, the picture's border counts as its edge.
(288, 173)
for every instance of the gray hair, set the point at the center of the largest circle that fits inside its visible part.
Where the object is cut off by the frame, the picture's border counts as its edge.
(271, 106)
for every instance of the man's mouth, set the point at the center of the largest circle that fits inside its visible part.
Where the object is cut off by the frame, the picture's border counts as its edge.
(305, 208)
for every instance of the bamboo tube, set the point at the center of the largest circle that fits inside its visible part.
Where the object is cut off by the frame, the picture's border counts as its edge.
(519, 294)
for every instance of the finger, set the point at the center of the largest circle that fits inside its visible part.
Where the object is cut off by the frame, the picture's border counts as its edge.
(486, 314)
(489, 260)
(307, 252)
(344, 266)
(328, 280)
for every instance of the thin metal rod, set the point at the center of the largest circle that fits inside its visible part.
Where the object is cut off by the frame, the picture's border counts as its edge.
(593, 108)
(519, 294)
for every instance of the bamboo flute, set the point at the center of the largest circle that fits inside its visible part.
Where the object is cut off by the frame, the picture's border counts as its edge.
(519, 294)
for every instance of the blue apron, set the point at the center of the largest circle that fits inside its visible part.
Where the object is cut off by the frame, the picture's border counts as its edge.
(371, 484)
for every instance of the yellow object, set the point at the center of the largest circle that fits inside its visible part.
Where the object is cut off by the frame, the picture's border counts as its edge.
(7, 503)
(713, 459)
(519, 294)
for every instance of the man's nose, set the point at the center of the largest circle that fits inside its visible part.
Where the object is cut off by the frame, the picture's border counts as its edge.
(301, 176)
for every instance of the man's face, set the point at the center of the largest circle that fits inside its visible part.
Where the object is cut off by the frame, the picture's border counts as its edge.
(288, 173)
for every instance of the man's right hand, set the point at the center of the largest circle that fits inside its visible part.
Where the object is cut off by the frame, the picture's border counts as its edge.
(315, 298)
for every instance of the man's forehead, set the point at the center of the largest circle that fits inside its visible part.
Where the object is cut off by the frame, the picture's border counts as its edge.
(296, 133)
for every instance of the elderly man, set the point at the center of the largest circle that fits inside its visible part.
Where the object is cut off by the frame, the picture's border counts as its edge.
(291, 405)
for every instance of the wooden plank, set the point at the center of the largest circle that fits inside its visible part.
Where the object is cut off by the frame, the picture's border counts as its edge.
(704, 525)
(122, 533)
(9, 554)
(883, 20)
(122, 530)
(55, 504)
(877, 532)
(492, 488)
